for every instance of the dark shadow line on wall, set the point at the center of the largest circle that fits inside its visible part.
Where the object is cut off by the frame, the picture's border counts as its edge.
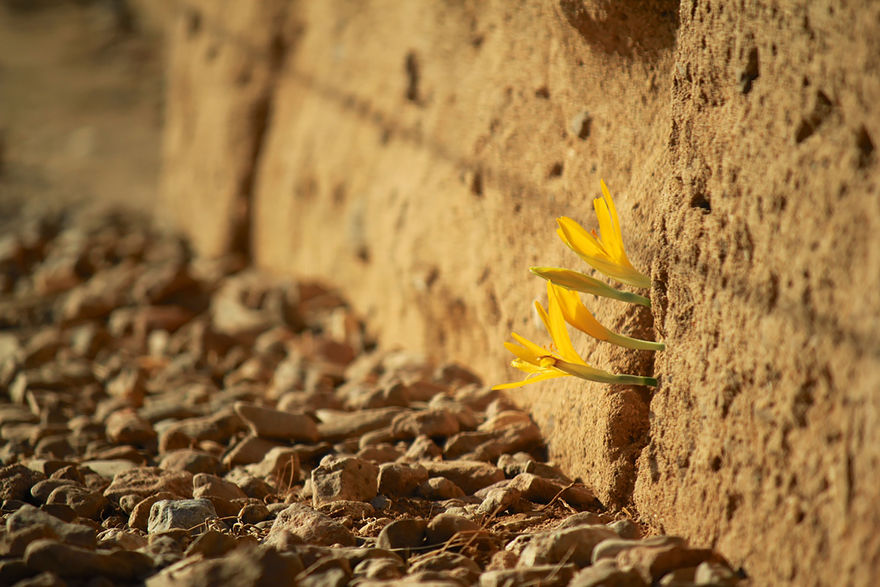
(516, 185)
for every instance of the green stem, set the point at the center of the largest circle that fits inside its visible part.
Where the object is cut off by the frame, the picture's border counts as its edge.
(578, 281)
(635, 343)
(636, 380)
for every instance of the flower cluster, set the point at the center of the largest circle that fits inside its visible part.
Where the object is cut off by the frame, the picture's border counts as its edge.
(605, 253)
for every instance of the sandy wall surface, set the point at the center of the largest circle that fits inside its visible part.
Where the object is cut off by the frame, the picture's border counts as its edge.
(417, 153)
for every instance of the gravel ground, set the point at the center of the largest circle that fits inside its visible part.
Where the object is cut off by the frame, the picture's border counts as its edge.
(171, 421)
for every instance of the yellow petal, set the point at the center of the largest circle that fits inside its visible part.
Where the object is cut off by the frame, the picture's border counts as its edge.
(612, 237)
(576, 237)
(522, 353)
(577, 314)
(530, 379)
(543, 314)
(532, 347)
(558, 329)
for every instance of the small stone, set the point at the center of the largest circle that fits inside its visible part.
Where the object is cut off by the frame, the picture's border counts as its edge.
(499, 499)
(193, 461)
(400, 479)
(439, 488)
(611, 547)
(75, 562)
(28, 516)
(126, 427)
(461, 566)
(380, 569)
(277, 424)
(86, 503)
(445, 526)
(146, 481)
(401, 534)
(344, 478)
(310, 526)
(43, 489)
(119, 538)
(581, 519)
(249, 566)
(652, 562)
(253, 513)
(211, 544)
(254, 487)
(380, 453)
(109, 468)
(422, 449)
(251, 449)
(606, 573)
(16, 481)
(715, 573)
(210, 486)
(281, 464)
(544, 575)
(140, 513)
(625, 528)
(335, 425)
(471, 476)
(574, 545)
(431, 423)
(185, 514)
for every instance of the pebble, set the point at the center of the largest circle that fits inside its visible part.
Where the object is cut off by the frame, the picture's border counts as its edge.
(403, 533)
(27, 516)
(445, 526)
(75, 562)
(652, 562)
(431, 423)
(184, 514)
(605, 573)
(400, 479)
(277, 424)
(86, 503)
(572, 544)
(16, 481)
(310, 526)
(470, 476)
(544, 575)
(193, 461)
(146, 481)
(346, 478)
(126, 427)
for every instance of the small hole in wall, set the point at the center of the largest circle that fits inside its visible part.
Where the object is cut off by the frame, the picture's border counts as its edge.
(701, 201)
(477, 184)
(543, 92)
(555, 171)
(363, 254)
(193, 23)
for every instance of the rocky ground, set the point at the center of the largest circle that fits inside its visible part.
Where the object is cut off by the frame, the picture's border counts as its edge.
(171, 421)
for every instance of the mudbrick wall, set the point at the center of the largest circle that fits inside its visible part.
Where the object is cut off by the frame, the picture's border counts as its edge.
(416, 153)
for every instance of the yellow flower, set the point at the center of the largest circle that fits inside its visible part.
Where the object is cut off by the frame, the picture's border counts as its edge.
(541, 363)
(576, 313)
(605, 253)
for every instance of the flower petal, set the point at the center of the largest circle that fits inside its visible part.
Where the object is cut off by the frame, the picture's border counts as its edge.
(577, 314)
(559, 329)
(531, 379)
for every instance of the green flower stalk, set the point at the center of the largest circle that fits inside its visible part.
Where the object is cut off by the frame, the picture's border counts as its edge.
(581, 282)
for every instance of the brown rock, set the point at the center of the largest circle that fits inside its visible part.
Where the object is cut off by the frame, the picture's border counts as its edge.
(193, 461)
(445, 526)
(140, 513)
(74, 562)
(146, 481)
(549, 575)
(309, 525)
(277, 424)
(211, 486)
(345, 478)
(432, 423)
(280, 463)
(606, 573)
(29, 517)
(400, 479)
(469, 475)
(126, 427)
(16, 481)
(86, 503)
(573, 544)
(422, 449)
(250, 449)
(611, 547)
(246, 566)
(403, 533)
(439, 488)
(335, 425)
(652, 562)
